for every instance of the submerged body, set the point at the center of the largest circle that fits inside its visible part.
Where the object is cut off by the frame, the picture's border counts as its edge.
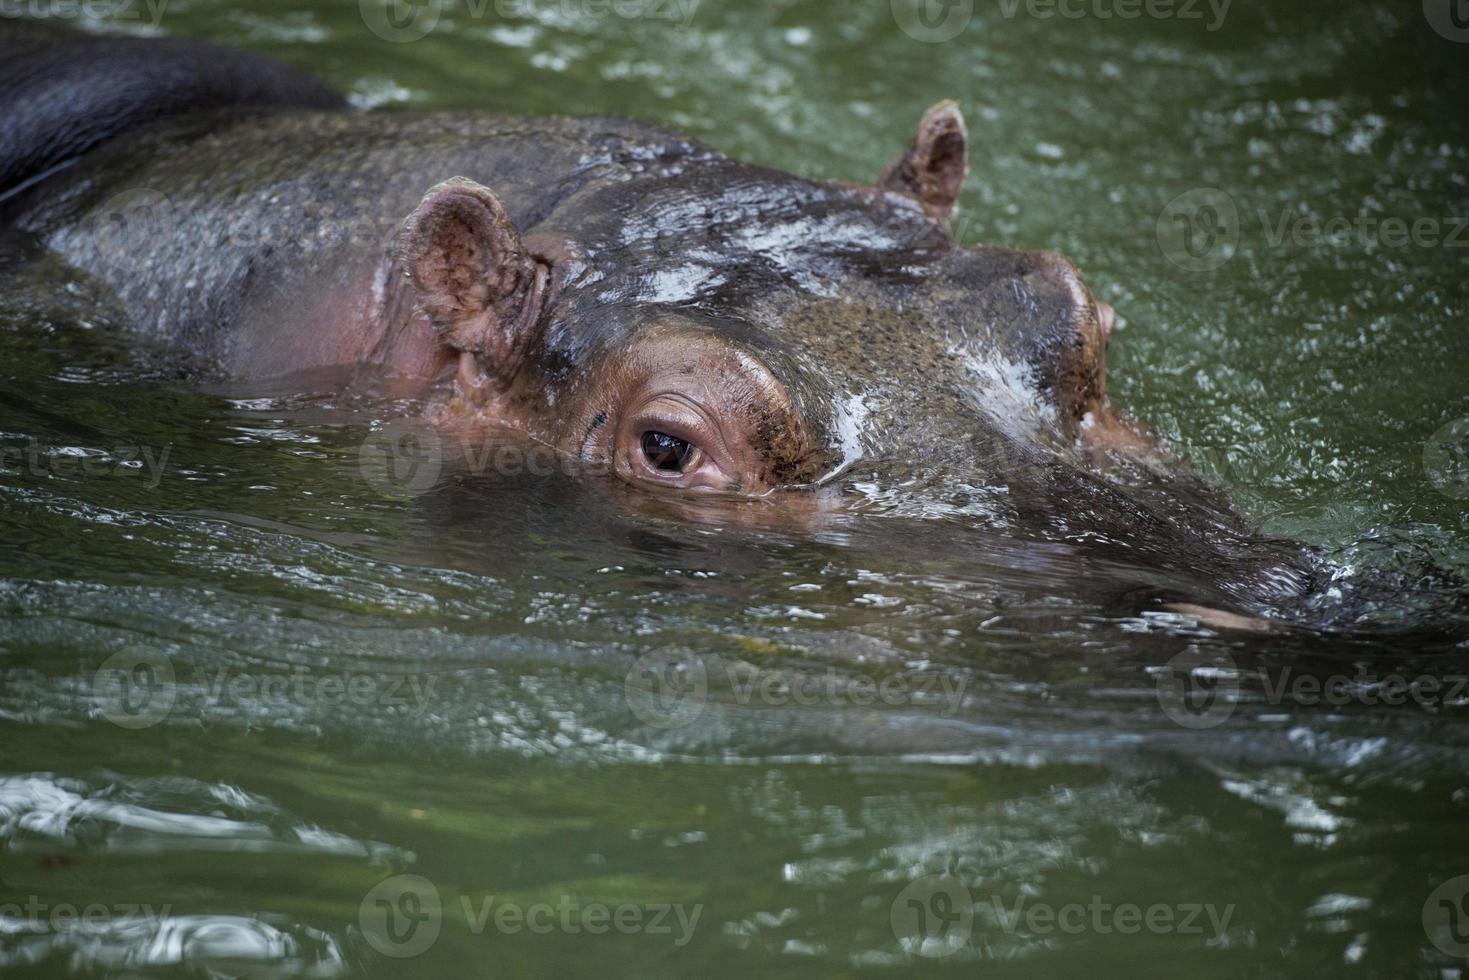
(637, 300)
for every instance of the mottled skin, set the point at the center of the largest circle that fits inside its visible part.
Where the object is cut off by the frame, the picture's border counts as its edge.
(590, 281)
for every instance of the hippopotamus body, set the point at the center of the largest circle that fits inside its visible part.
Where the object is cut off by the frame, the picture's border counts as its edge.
(636, 299)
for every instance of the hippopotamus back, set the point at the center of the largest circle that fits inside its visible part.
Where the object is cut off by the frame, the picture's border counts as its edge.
(63, 93)
(218, 251)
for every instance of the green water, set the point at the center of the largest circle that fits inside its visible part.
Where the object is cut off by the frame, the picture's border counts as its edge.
(245, 693)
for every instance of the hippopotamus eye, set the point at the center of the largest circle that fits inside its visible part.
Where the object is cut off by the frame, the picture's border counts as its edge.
(666, 452)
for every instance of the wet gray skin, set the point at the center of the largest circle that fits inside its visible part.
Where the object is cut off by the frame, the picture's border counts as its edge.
(918, 376)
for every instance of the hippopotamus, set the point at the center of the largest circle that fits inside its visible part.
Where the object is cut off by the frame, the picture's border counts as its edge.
(634, 299)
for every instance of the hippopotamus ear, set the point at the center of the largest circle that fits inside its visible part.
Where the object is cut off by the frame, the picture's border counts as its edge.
(480, 289)
(932, 170)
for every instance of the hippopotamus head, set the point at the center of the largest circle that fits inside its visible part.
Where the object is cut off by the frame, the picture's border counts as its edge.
(713, 326)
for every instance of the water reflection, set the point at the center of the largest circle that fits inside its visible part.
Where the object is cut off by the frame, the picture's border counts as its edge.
(85, 867)
(215, 945)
